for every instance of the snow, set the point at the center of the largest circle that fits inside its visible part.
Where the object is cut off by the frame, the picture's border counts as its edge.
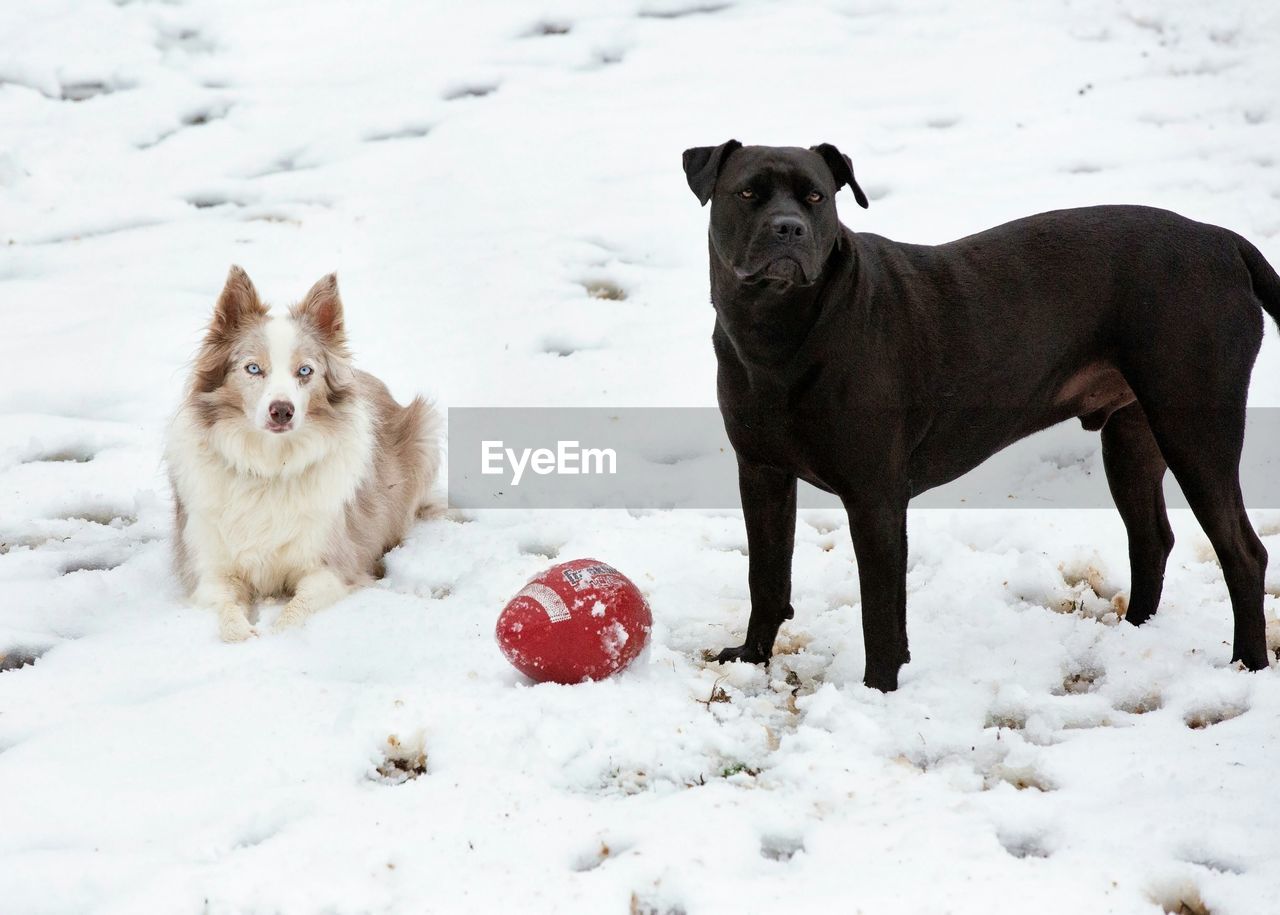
(498, 186)
(614, 638)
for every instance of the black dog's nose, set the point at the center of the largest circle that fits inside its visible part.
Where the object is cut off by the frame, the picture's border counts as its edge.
(280, 411)
(788, 228)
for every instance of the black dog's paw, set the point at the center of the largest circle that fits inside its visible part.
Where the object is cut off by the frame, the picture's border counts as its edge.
(885, 680)
(747, 653)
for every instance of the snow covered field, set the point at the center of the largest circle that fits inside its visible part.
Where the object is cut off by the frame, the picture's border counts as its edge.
(498, 185)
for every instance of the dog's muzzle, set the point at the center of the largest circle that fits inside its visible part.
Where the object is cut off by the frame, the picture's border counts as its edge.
(781, 268)
(785, 269)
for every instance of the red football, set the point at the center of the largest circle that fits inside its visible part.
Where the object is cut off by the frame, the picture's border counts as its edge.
(579, 620)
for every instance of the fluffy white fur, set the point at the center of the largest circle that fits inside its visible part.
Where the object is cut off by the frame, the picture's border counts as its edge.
(304, 513)
(261, 511)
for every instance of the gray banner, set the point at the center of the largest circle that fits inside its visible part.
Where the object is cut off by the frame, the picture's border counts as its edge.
(661, 457)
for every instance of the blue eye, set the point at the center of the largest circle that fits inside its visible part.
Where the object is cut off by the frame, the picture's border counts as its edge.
(253, 368)
(305, 371)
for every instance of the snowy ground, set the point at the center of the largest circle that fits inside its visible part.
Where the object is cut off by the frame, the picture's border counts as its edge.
(475, 172)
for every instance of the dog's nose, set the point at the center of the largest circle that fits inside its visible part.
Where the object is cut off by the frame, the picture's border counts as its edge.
(280, 411)
(788, 228)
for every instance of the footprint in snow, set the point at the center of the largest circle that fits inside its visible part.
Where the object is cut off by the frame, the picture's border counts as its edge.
(104, 515)
(541, 549)
(604, 850)
(20, 656)
(406, 132)
(672, 11)
(196, 117)
(548, 28)
(605, 289)
(1179, 897)
(1140, 703)
(184, 40)
(97, 563)
(1024, 845)
(83, 91)
(75, 454)
(780, 848)
(1079, 679)
(1023, 777)
(470, 90)
(403, 759)
(210, 201)
(1208, 715)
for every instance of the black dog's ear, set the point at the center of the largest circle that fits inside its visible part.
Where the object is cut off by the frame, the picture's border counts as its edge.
(842, 168)
(702, 166)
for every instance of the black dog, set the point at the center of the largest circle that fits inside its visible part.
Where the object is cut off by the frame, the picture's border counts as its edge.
(876, 370)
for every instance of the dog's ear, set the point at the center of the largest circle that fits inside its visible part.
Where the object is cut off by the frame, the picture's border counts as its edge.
(321, 308)
(842, 168)
(237, 303)
(339, 374)
(702, 166)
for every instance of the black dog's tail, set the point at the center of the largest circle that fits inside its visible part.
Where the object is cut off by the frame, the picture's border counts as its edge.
(1266, 282)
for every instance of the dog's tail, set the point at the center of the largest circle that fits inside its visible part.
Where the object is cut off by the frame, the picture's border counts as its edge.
(421, 427)
(1266, 282)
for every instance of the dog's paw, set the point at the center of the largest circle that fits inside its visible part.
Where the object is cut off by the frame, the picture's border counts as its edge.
(884, 679)
(236, 628)
(288, 620)
(749, 654)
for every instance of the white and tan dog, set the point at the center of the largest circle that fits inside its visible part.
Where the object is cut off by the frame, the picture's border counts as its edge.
(292, 472)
